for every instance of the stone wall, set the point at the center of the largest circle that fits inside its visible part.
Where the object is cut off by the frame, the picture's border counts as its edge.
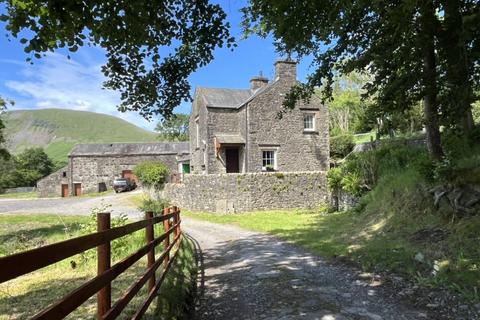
(243, 192)
(51, 185)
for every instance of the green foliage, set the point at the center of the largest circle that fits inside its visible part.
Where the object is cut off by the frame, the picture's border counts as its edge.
(174, 129)
(25, 169)
(152, 47)
(118, 246)
(152, 174)
(389, 41)
(361, 171)
(334, 178)
(4, 154)
(341, 146)
(154, 205)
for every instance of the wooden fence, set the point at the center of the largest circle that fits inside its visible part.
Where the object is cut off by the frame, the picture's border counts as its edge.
(25, 262)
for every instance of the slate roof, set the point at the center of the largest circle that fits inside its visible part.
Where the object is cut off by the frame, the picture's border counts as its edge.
(117, 149)
(224, 98)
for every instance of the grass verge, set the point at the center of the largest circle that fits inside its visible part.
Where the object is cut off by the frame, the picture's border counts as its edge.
(19, 195)
(397, 230)
(22, 297)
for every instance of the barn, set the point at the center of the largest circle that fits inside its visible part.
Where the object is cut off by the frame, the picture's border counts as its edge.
(93, 167)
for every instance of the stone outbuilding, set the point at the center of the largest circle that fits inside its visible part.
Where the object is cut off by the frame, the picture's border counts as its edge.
(239, 131)
(93, 167)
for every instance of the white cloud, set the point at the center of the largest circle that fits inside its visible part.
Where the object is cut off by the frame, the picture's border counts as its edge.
(57, 82)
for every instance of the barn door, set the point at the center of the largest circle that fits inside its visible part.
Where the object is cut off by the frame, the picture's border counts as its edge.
(64, 190)
(129, 174)
(78, 189)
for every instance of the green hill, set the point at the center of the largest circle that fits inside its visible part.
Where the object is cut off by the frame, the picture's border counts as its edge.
(58, 130)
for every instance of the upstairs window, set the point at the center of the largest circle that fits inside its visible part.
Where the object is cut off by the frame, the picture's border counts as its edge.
(308, 122)
(268, 160)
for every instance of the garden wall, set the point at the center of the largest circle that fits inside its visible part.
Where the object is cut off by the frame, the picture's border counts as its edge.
(240, 192)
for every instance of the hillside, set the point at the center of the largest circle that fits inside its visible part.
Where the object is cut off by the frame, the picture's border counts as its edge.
(58, 130)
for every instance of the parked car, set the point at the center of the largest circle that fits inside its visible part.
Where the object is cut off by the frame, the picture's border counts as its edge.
(124, 184)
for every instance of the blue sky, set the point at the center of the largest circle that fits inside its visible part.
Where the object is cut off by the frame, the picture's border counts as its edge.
(56, 82)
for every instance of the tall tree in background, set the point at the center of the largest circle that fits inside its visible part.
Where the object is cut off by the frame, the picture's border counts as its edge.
(152, 46)
(174, 129)
(4, 154)
(396, 41)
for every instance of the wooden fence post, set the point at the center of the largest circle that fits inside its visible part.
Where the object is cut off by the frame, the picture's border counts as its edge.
(104, 296)
(151, 254)
(166, 243)
(175, 221)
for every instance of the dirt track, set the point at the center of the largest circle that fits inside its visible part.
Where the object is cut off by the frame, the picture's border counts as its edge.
(249, 275)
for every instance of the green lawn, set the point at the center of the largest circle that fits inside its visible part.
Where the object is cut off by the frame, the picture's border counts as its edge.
(378, 241)
(19, 195)
(20, 298)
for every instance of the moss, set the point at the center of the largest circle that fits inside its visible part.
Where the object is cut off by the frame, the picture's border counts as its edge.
(279, 175)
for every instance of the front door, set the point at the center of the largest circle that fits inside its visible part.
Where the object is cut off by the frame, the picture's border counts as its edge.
(232, 160)
(64, 190)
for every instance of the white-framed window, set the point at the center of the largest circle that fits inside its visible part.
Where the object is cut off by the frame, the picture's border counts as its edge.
(308, 122)
(269, 160)
(197, 130)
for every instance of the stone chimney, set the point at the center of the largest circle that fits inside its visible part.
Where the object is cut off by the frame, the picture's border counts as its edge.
(286, 70)
(257, 82)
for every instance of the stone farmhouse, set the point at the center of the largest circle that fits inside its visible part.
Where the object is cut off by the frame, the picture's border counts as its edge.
(238, 131)
(93, 167)
(243, 157)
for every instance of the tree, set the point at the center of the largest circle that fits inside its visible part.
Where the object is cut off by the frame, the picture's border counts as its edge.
(35, 160)
(152, 46)
(397, 42)
(4, 154)
(174, 128)
(152, 174)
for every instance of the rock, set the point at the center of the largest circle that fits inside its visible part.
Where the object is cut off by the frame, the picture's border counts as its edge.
(463, 307)
(433, 305)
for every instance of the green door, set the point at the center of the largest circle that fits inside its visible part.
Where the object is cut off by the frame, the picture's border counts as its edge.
(185, 168)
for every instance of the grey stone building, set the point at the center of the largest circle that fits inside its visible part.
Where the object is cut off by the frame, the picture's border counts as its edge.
(238, 130)
(93, 167)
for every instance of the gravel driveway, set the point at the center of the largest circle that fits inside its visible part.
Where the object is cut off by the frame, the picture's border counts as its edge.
(249, 275)
(72, 205)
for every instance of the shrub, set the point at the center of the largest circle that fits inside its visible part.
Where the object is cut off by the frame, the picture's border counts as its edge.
(154, 205)
(341, 146)
(152, 174)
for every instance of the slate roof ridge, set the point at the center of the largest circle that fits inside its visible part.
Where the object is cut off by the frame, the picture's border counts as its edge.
(129, 148)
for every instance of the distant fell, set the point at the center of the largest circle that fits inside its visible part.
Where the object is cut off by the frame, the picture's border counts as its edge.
(58, 130)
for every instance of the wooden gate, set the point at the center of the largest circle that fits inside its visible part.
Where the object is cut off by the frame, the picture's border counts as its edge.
(65, 190)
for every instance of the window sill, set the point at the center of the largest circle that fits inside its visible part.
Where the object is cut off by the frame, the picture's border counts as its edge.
(310, 132)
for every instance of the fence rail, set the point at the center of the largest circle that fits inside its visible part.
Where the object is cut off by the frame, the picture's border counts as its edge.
(25, 262)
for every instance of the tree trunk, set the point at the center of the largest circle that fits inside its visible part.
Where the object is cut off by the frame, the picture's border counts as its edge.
(430, 104)
(460, 89)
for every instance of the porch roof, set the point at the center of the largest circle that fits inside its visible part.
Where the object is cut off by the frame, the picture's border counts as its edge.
(230, 139)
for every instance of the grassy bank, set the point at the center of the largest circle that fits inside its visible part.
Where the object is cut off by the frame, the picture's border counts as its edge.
(395, 228)
(22, 297)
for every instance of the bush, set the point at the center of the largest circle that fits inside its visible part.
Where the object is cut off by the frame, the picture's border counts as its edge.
(362, 171)
(341, 146)
(154, 205)
(152, 174)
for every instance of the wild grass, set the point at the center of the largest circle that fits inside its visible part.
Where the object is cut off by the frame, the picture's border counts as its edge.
(19, 195)
(22, 297)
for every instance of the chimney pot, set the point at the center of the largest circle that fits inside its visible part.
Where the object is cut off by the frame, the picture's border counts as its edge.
(257, 82)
